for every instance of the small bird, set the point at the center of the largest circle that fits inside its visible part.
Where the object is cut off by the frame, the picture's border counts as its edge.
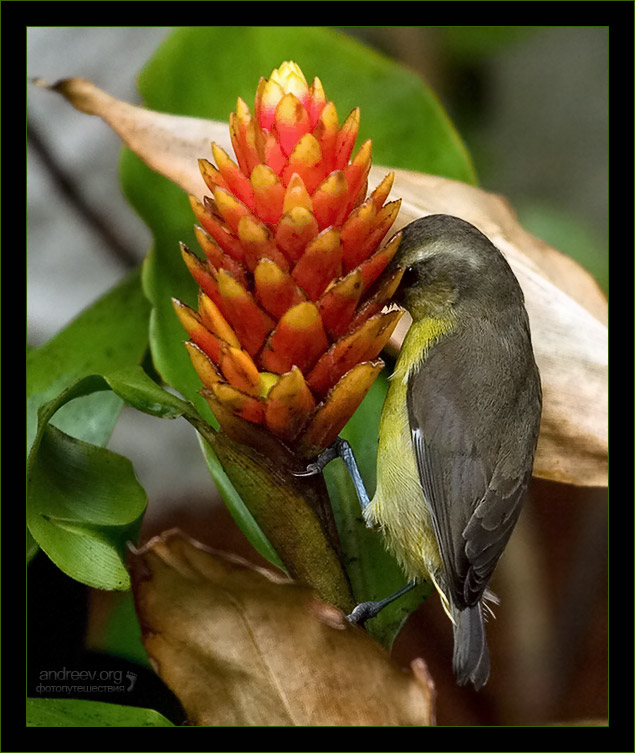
(459, 426)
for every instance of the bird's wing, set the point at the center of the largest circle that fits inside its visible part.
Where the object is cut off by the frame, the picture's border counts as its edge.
(473, 489)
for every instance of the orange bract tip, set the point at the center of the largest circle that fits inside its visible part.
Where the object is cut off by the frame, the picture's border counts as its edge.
(373, 267)
(289, 405)
(364, 344)
(340, 404)
(320, 263)
(275, 289)
(357, 172)
(250, 323)
(268, 194)
(203, 275)
(216, 256)
(380, 298)
(291, 122)
(231, 209)
(214, 321)
(317, 100)
(381, 193)
(329, 200)
(244, 406)
(296, 195)
(233, 177)
(243, 113)
(296, 229)
(242, 131)
(258, 243)
(239, 370)
(211, 175)
(305, 160)
(206, 369)
(338, 302)
(216, 228)
(298, 340)
(192, 324)
(268, 95)
(346, 138)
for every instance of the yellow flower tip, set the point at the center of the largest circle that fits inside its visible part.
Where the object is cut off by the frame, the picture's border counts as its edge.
(191, 260)
(307, 151)
(215, 321)
(352, 121)
(221, 157)
(289, 111)
(267, 98)
(262, 177)
(252, 231)
(267, 382)
(364, 154)
(229, 287)
(290, 78)
(302, 316)
(328, 121)
(381, 193)
(296, 195)
(243, 113)
(317, 91)
(239, 369)
(205, 368)
(196, 205)
(268, 272)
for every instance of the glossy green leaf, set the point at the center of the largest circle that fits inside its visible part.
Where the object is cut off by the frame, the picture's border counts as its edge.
(139, 391)
(110, 334)
(62, 712)
(133, 385)
(83, 502)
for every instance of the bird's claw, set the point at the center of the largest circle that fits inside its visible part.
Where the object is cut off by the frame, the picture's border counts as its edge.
(313, 469)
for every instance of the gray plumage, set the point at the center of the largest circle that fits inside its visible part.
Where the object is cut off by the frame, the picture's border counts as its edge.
(474, 407)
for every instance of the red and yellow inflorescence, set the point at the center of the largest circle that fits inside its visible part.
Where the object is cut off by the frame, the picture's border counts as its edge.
(289, 323)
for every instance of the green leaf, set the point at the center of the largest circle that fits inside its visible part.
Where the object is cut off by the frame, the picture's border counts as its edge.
(110, 334)
(83, 502)
(134, 386)
(62, 712)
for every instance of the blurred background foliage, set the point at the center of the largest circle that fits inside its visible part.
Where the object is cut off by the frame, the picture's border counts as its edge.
(530, 103)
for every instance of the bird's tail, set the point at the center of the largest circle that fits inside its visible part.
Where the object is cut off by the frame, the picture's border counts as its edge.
(471, 655)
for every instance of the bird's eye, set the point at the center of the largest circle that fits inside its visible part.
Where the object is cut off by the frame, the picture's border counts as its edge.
(410, 277)
(416, 275)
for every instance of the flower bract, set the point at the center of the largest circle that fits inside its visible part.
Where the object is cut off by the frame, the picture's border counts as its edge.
(290, 319)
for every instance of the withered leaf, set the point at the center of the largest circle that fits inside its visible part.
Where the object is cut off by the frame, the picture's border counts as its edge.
(243, 646)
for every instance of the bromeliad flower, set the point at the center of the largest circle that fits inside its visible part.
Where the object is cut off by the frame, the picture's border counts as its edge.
(289, 323)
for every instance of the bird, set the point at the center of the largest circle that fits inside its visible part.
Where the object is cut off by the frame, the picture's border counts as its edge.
(458, 428)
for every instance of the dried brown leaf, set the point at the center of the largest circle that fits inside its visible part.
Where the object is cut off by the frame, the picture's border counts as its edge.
(242, 646)
(567, 309)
